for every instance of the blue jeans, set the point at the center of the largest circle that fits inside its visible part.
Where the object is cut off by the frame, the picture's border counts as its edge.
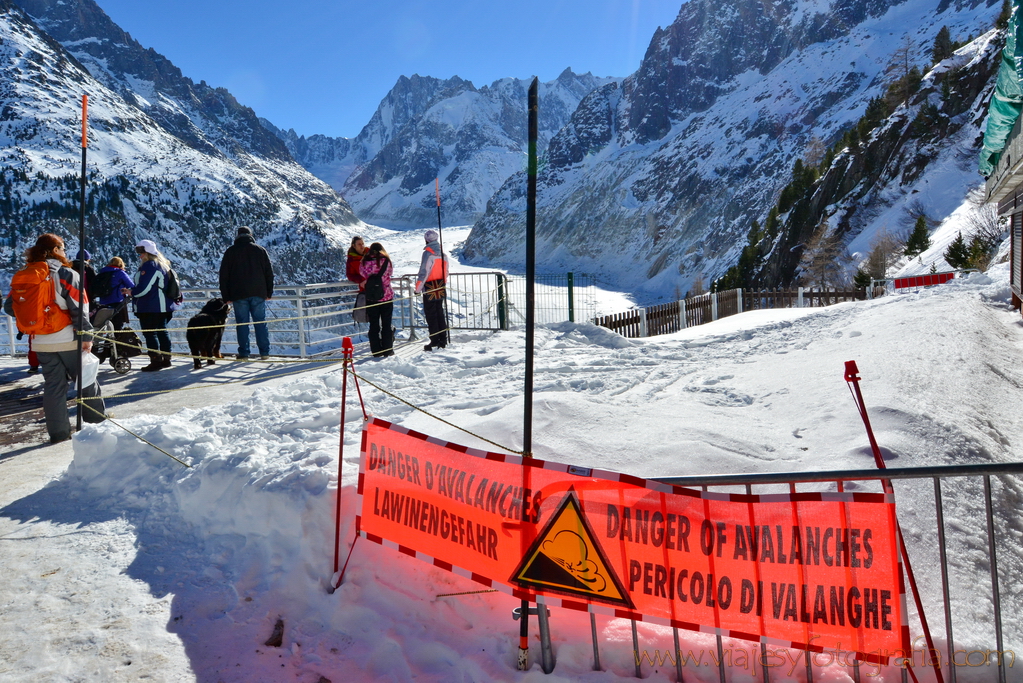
(253, 307)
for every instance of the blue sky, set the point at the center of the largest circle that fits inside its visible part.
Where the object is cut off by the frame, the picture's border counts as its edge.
(322, 67)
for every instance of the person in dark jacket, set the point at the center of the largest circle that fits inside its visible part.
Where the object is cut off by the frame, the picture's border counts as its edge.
(381, 336)
(247, 282)
(83, 264)
(431, 282)
(152, 305)
(112, 287)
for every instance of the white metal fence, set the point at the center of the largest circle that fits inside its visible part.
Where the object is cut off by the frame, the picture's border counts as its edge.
(309, 320)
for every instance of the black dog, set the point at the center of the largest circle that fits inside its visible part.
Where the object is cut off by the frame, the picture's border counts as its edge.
(203, 337)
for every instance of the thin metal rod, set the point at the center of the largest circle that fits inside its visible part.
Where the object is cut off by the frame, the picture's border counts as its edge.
(940, 511)
(994, 577)
(596, 651)
(844, 475)
(721, 655)
(82, 296)
(527, 417)
(678, 654)
(763, 658)
(635, 648)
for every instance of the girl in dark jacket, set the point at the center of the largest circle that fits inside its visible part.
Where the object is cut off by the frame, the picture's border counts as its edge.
(381, 338)
(113, 294)
(152, 306)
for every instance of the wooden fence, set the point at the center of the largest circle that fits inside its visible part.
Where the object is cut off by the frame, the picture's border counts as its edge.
(705, 308)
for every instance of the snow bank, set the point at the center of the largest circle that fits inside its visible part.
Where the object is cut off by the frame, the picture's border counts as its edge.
(244, 536)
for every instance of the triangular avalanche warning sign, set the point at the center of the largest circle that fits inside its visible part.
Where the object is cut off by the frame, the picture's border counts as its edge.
(566, 558)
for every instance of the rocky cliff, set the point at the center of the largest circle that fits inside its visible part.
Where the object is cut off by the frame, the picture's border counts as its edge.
(472, 138)
(655, 181)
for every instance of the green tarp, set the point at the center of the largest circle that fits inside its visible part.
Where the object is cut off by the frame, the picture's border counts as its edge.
(1007, 101)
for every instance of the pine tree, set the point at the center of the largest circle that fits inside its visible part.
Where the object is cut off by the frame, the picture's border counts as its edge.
(942, 45)
(1003, 17)
(958, 254)
(918, 241)
(862, 279)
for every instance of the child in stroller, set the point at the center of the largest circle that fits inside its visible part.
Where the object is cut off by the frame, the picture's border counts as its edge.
(117, 346)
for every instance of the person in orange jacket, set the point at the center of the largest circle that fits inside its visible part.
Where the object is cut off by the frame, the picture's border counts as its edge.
(431, 282)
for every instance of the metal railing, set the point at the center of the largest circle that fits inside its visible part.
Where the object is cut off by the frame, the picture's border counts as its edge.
(967, 582)
(312, 319)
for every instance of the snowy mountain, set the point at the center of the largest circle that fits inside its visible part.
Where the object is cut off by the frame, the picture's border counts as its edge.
(171, 160)
(472, 138)
(669, 169)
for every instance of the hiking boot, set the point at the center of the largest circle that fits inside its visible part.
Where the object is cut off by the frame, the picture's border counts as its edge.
(265, 357)
(165, 362)
(155, 363)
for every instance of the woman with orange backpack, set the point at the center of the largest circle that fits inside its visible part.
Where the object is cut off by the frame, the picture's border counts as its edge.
(45, 299)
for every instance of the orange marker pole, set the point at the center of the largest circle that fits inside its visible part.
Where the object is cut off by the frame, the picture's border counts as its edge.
(82, 297)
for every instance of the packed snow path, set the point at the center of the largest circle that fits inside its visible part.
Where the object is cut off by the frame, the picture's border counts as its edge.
(129, 557)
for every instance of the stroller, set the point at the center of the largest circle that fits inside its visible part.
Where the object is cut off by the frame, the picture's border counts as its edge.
(116, 346)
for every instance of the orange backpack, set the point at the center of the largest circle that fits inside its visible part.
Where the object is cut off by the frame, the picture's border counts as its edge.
(34, 299)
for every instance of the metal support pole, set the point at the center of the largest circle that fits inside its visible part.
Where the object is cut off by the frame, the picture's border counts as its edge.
(546, 651)
(635, 649)
(10, 334)
(542, 615)
(571, 297)
(714, 306)
(502, 301)
(721, 655)
(738, 299)
(82, 296)
(799, 298)
(527, 417)
(939, 509)
(596, 651)
(301, 324)
(678, 654)
(644, 331)
(995, 595)
(682, 314)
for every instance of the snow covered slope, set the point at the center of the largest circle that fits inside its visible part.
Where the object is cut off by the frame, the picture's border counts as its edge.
(668, 170)
(169, 160)
(130, 565)
(471, 138)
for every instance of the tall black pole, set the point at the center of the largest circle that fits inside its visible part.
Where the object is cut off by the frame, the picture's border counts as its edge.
(443, 264)
(527, 430)
(81, 262)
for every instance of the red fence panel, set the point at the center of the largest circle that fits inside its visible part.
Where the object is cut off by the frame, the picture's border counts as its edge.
(923, 280)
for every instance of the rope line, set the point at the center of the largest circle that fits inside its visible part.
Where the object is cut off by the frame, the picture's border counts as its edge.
(81, 402)
(435, 417)
(451, 595)
(349, 311)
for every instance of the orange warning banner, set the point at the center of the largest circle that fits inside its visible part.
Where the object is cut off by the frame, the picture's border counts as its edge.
(807, 570)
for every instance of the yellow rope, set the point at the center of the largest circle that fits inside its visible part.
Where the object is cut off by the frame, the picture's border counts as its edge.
(435, 417)
(81, 402)
(450, 595)
(414, 296)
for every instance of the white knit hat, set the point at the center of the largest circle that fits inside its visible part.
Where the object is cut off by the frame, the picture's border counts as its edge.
(148, 245)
